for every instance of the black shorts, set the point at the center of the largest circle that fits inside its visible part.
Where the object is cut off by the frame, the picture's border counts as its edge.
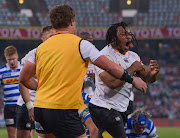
(10, 115)
(23, 121)
(62, 123)
(110, 120)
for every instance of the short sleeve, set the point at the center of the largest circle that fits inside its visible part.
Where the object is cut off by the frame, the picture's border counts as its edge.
(88, 51)
(32, 58)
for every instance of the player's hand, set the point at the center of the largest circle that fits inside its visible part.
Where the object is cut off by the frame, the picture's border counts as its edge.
(31, 114)
(139, 84)
(153, 67)
(137, 66)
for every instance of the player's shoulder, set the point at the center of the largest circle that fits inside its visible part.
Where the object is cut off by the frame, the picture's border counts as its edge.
(150, 124)
(129, 118)
(107, 51)
(130, 121)
(27, 56)
(3, 67)
(133, 55)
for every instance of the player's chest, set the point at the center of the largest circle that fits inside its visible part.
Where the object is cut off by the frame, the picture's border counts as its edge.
(11, 76)
(124, 60)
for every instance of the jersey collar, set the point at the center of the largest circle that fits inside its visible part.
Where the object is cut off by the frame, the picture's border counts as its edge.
(62, 32)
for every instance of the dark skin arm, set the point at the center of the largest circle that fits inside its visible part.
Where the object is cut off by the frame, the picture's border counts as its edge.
(117, 71)
(112, 82)
(149, 74)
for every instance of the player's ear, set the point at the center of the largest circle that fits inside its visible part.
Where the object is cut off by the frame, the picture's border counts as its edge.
(71, 22)
(42, 38)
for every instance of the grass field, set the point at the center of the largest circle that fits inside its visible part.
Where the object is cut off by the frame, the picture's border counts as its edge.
(163, 132)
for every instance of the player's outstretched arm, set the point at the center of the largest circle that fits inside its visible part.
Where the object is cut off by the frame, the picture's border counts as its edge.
(118, 72)
(112, 82)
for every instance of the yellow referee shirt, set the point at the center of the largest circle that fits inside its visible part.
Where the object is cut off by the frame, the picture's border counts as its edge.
(60, 71)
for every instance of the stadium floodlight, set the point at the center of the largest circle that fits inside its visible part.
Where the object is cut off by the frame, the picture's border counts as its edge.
(128, 2)
(21, 1)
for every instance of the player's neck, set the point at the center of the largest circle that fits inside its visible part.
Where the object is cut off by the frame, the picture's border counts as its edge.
(63, 30)
(13, 67)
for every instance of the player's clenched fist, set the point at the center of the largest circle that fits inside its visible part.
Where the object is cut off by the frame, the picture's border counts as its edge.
(153, 67)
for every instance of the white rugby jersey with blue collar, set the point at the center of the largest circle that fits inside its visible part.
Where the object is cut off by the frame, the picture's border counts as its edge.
(9, 78)
(149, 131)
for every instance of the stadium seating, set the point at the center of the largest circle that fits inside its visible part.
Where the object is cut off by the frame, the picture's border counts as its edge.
(161, 13)
(96, 13)
(11, 18)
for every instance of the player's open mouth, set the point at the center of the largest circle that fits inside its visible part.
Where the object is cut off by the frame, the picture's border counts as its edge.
(127, 44)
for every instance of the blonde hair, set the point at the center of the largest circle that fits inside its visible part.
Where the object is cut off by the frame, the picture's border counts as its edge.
(137, 114)
(10, 50)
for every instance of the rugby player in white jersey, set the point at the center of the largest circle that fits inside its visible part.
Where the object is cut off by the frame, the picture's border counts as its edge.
(110, 101)
(25, 125)
(140, 125)
(9, 74)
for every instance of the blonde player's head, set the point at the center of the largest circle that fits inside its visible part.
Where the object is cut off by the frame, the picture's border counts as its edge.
(11, 56)
(140, 119)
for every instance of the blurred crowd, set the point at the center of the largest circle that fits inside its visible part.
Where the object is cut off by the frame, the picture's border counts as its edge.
(163, 97)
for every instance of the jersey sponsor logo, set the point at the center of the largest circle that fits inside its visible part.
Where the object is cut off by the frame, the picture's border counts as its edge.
(11, 80)
(38, 126)
(9, 121)
(6, 75)
(126, 60)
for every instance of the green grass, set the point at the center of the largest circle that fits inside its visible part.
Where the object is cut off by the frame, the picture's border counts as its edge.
(163, 132)
(3, 134)
(168, 132)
